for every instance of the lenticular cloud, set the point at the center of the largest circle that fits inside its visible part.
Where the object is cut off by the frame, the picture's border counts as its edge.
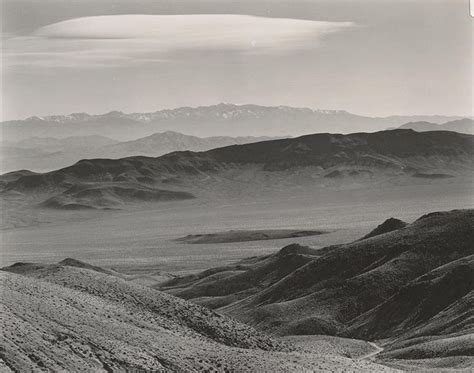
(131, 39)
(191, 31)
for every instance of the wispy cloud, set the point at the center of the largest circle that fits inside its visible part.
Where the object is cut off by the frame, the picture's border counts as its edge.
(127, 40)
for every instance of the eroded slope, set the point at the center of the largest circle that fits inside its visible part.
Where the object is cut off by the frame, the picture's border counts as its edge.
(62, 317)
(410, 286)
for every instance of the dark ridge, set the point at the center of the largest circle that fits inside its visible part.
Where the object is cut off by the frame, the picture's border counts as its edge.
(20, 265)
(328, 150)
(388, 225)
(417, 303)
(385, 150)
(23, 267)
(297, 249)
(440, 215)
(109, 195)
(248, 235)
(17, 173)
(71, 262)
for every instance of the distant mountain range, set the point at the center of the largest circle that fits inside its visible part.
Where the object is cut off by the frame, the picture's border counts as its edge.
(217, 120)
(465, 125)
(45, 154)
(52, 144)
(101, 183)
(170, 141)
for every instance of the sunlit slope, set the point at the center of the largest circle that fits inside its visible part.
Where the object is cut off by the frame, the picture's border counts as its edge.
(65, 316)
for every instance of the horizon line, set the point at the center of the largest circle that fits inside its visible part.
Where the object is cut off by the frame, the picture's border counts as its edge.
(3, 120)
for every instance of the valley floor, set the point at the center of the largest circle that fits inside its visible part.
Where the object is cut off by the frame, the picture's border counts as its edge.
(51, 316)
(140, 238)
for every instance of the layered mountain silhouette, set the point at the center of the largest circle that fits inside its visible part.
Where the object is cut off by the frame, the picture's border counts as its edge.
(411, 287)
(333, 156)
(215, 120)
(464, 125)
(45, 154)
(53, 144)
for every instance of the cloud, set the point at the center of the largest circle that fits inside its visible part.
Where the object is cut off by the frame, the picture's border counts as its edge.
(125, 40)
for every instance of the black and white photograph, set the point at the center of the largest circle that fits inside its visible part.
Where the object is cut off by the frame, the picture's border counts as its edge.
(237, 186)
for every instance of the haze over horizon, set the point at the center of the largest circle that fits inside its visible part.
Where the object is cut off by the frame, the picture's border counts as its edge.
(81, 56)
(118, 110)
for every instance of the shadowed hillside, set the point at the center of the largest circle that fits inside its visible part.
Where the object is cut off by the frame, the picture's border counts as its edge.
(388, 225)
(360, 155)
(81, 196)
(435, 303)
(411, 285)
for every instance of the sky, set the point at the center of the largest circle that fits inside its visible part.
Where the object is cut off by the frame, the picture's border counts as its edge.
(375, 58)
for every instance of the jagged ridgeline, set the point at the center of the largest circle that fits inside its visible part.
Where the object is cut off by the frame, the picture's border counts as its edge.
(219, 120)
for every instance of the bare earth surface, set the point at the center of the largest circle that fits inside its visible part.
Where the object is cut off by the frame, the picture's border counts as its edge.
(60, 317)
(141, 238)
